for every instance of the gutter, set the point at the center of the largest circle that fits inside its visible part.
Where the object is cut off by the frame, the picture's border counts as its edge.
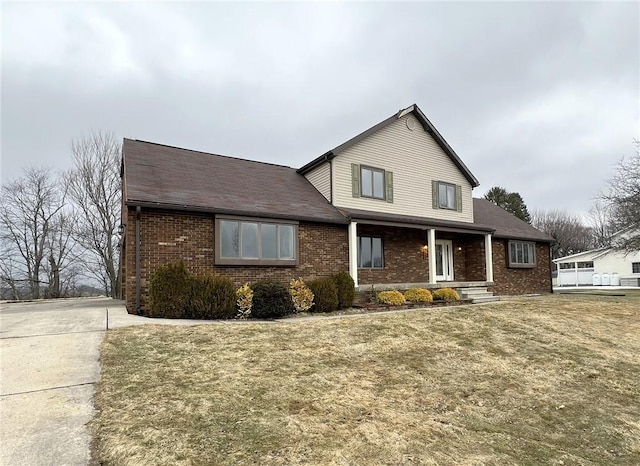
(138, 285)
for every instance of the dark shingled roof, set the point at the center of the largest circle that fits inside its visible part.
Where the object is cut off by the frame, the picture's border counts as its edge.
(415, 222)
(505, 224)
(173, 178)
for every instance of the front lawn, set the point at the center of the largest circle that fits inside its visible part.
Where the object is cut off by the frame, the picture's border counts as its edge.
(549, 380)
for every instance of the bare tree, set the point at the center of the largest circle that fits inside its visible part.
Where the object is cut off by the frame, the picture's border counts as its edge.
(601, 223)
(94, 187)
(29, 209)
(571, 235)
(623, 196)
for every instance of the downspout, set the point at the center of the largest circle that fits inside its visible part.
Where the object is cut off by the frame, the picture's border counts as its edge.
(551, 271)
(138, 310)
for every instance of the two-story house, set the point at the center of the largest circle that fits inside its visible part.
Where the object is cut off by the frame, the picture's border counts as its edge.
(393, 206)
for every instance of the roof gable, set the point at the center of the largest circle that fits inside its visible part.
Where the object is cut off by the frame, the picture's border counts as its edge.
(170, 177)
(426, 125)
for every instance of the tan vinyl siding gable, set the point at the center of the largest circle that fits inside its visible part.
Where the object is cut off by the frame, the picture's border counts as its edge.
(320, 178)
(415, 159)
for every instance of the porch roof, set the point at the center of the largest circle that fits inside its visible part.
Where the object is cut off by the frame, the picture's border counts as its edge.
(409, 221)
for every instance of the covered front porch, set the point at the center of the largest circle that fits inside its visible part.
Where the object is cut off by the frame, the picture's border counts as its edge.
(387, 254)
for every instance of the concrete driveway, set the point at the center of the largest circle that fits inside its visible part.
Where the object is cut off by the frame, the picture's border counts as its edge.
(49, 364)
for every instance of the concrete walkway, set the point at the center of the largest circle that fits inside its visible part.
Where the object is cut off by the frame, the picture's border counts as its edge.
(49, 364)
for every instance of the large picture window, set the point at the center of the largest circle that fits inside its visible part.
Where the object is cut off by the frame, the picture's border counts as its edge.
(249, 242)
(522, 254)
(370, 253)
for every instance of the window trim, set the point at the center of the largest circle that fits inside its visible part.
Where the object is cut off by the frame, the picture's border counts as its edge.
(518, 265)
(384, 182)
(455, 196)
(219, 260)
(359, 238)
(633, 264)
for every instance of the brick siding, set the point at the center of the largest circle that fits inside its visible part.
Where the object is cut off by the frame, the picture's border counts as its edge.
(512, 281)
(168, 237)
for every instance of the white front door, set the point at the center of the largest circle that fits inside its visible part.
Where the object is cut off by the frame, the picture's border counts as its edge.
(444, 260)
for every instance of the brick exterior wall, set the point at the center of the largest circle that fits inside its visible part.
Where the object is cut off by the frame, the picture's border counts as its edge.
(511, 281)
(403, 260)
(168, 237)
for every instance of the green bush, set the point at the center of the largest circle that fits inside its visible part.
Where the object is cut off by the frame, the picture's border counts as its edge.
(170, 292)
(392, 297)
(325, 295)
(212, 297)
(346, 289)
(270, 300)
(446, 294)
(418, 295)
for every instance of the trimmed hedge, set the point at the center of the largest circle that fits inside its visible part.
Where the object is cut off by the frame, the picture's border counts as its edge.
(212, 297)
(446, 294)
(271, 299)
(392, 297)
(418, 295)
(170, 292)
(325, 295)
(345, 288)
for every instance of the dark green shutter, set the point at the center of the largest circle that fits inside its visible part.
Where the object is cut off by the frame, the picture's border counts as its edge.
(459, 198)
(389, 185)
(355, 180)
(434, 194)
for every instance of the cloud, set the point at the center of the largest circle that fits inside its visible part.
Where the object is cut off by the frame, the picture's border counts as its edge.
(541, 98)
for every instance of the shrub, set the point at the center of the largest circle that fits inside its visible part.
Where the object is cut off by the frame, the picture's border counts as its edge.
(393, 297)
(418, 295)
(446, 294)
(244, 296)
(270, 299)
(345, 287)
(169, 292)
(301, 295)
(212, 297)
(325, 295)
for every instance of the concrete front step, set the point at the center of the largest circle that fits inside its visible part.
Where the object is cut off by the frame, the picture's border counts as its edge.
(477, 294)
(485, 299)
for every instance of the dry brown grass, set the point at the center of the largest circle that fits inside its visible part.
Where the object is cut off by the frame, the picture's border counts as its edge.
(550, 380)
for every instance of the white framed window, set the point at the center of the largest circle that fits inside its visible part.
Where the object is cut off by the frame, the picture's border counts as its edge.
(635, 267)
(255, 242)
(370, 252)
(522, 254)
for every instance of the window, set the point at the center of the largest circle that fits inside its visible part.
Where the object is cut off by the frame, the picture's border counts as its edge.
(635, 267)
(585, 265)
(567, 265)
(370, 254)
(374, 183)
(447, 196)
(255, 242)
(522, 254)
(372, 180)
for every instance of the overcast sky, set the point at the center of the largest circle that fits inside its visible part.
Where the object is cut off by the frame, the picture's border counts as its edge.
(540, 98)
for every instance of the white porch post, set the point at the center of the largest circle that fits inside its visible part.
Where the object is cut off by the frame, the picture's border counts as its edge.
(488, 257)
(353, 252)
(431, 244)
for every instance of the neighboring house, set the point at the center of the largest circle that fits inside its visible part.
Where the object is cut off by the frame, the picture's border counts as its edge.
(393, 206)
(611, 266)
